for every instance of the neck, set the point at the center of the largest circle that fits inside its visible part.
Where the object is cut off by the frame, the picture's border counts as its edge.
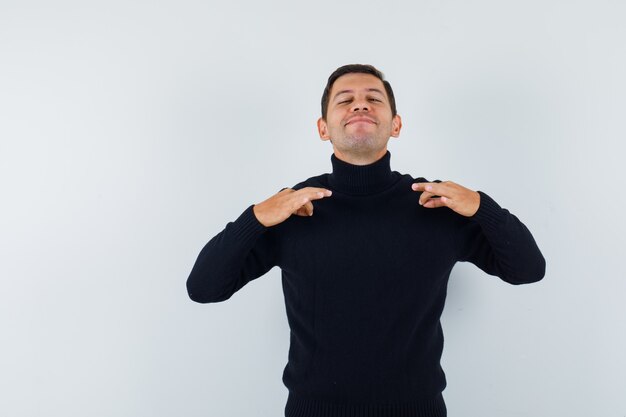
(354, 179)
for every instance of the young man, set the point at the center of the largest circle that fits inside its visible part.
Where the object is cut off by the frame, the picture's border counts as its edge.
(365, 254)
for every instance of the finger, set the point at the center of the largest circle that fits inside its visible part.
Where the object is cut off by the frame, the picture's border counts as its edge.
(309, 208)
(436, 188)
(437, 202)
(421, 186)
(314, 193)
(304, 201)
(302, 212)
(303, 197)
(426, 186)
(433, 189)
(307, 189)
(305, 210)
(424, 197)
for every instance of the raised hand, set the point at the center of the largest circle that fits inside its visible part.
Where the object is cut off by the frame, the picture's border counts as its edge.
(458, 198)
(286, 202)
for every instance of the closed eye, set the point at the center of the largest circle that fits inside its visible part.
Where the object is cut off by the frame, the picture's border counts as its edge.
(346, 101)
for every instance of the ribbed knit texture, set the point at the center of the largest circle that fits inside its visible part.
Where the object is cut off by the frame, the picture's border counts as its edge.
(361, 179)
(301, 407)
(364, 282)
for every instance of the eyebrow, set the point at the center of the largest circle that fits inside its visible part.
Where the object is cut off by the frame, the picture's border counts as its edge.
(352, 91)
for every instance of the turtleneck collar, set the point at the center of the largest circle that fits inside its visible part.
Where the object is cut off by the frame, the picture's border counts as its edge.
(361, 179)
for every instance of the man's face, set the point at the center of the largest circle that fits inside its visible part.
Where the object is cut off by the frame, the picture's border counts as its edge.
(359, 121)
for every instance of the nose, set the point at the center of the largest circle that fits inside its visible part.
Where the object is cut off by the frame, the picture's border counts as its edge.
(359, 104)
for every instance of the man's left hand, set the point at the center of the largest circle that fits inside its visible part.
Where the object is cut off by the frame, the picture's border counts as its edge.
(458, 198)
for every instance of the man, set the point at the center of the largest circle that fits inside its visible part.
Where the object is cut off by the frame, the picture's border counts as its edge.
(365, 254)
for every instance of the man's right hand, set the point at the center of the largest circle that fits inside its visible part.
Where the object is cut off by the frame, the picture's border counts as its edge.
(283, 204)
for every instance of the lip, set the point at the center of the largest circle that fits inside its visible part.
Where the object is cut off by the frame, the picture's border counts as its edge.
(360, 119)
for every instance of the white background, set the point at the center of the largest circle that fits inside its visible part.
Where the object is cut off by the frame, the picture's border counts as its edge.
(132, 132)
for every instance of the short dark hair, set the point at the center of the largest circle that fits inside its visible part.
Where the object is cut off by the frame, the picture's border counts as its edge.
(356, 68)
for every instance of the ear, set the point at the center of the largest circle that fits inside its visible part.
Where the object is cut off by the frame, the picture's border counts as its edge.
(322, 128)
(396, 125)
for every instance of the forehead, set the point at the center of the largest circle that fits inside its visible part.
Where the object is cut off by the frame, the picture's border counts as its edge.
(356, 81)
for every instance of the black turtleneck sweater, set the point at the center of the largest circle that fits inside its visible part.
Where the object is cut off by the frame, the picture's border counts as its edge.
(364, 281)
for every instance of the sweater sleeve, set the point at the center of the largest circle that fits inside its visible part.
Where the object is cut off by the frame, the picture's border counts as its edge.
(243, 251)
(497, 242)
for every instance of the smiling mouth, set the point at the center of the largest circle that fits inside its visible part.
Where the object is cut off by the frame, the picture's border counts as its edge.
(359, 121)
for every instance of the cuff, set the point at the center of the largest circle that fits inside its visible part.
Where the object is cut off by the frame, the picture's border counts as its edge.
(247, 225)
(489, 213)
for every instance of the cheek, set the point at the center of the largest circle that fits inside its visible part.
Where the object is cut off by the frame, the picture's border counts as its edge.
(336, 123)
